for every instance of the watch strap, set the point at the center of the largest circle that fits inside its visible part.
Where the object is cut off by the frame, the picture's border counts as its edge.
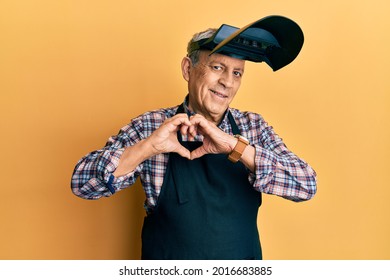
(238, 150)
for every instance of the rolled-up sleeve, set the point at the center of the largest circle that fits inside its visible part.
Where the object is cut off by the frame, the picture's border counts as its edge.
(93, 175)
(279, 171)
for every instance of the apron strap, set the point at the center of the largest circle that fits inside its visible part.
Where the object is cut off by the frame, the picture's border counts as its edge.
(235, 129)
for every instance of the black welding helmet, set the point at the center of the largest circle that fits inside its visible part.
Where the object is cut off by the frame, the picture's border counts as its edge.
(276, 40)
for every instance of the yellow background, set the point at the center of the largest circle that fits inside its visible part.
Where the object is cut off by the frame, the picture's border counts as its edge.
(73, 72)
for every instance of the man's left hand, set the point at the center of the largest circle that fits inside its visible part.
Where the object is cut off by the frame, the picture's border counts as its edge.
(215, 141)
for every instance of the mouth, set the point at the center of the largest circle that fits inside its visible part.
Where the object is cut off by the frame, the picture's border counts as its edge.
(219, 94)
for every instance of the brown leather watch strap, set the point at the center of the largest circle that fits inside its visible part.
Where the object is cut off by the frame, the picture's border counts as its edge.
(238, 150)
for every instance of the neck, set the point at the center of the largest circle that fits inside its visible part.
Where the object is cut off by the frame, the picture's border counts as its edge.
(214, 118)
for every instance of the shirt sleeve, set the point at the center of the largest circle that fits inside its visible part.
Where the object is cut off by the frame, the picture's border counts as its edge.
(279, 171)
(93, 175)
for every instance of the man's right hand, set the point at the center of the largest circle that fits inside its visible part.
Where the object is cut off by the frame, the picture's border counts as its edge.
(164, 139)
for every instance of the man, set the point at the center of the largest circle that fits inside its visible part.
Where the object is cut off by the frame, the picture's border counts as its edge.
(203, 165)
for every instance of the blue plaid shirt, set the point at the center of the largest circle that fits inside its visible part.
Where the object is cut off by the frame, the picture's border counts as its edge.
(278, 171)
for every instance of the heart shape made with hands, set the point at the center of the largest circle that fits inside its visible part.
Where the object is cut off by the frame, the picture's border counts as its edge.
(215, 141)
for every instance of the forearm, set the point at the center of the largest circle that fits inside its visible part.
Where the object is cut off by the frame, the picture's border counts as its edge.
(133, 156)
(288, 177)
(248, 158)
(92, 172)
(284, 175)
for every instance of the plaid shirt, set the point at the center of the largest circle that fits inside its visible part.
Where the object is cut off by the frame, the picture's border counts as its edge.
(278, 171)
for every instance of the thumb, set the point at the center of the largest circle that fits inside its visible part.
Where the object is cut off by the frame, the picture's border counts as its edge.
(183, 152)
(197, 153)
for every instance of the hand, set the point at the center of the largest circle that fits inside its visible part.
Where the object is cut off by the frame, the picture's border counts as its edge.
(215, 141)
(164, 139)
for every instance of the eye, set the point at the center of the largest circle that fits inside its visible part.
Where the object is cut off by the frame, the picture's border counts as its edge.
(237, 74)
(217, 67)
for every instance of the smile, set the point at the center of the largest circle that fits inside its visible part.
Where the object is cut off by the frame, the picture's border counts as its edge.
(219, 94)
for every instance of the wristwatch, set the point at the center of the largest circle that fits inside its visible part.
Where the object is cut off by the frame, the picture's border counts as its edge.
(238, 150)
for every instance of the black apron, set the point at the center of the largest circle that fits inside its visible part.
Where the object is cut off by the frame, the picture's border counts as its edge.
(206, 210)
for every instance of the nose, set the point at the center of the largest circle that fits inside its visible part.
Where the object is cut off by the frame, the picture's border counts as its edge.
(226, 79)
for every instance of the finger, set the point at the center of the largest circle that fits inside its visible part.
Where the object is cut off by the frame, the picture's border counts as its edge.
(199, 121)
(196, 118)
(191, 137)
(180, 119)
(181, 115)
(192, 130)
(184, 129)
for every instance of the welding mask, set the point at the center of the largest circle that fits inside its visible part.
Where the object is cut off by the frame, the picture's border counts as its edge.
(276, 40)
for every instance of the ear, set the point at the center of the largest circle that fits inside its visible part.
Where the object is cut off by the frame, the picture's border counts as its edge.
(186, 65)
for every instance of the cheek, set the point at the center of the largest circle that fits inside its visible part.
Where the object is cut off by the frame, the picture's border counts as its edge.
(238, 86)
(203, 82)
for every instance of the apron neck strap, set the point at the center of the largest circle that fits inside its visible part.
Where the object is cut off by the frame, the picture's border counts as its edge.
(233, 123)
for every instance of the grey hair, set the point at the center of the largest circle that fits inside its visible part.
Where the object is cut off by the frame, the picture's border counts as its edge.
(194, 56)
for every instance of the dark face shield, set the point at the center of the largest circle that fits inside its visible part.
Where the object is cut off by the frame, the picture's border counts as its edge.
(276, 40)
